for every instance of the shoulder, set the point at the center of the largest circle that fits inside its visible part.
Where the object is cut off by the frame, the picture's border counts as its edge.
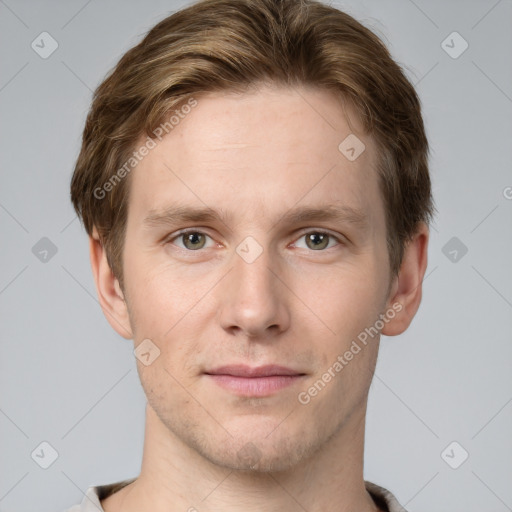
(95, 494)
(383, 498)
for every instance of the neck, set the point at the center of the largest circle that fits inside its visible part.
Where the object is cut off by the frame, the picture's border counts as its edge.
(175, 477)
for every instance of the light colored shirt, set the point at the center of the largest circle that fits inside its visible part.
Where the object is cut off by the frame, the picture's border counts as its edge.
(383, 498)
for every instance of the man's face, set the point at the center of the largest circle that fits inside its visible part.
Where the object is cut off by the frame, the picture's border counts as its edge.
(256, 287)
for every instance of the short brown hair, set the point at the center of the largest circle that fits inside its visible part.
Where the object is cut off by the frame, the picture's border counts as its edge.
(221, 45)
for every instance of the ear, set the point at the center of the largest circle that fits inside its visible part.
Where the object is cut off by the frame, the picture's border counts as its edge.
(110, 295)
(406, 289)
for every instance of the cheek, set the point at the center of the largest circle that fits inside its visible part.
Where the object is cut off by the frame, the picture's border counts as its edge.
(159, 296)
(168, 310)
(344, 300)
(348, 303)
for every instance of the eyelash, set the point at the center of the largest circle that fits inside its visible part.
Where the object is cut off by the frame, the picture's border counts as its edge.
(188, 231)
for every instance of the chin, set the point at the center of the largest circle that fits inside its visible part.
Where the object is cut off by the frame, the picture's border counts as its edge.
(253, 443)
(254, 453)
(252, 459)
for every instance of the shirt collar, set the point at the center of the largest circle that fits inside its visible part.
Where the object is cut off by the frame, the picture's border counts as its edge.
(91, 501)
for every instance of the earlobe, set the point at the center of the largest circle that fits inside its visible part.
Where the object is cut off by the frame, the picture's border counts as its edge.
(110, 295)
(406, 290)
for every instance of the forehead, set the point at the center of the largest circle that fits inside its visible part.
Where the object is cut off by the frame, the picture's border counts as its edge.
(276, 120)
(260, 152)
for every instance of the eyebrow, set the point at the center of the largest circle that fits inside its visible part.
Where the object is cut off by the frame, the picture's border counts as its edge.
(332, 212)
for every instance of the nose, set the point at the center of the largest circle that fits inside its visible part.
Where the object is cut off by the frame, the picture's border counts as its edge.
(253, 297)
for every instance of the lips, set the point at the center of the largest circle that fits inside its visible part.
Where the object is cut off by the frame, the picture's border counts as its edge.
(259, 381)
(247, 371)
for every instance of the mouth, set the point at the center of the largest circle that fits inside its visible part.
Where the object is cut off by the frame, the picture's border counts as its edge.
(256, 382)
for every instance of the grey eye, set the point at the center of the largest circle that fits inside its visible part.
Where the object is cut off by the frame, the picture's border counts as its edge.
(317, 240)
(193, 240)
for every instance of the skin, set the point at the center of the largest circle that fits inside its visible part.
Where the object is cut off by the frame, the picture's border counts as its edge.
(256, 156)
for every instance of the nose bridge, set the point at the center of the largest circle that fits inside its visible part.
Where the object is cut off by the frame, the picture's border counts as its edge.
(253, 300)
(251, 267)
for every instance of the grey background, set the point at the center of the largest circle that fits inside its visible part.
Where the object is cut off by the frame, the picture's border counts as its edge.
(68, 379)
